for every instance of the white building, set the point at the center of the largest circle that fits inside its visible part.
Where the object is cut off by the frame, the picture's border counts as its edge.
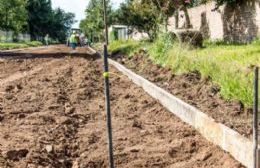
(118, 32)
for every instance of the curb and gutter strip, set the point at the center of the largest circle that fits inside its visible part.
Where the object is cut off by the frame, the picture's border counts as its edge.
(229, 140)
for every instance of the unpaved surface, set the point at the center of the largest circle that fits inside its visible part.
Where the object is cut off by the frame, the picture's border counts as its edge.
(195, 90)
(23, 60)
(55, 118)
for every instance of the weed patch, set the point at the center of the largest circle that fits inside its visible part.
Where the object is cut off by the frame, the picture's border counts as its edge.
(228, 65)
(8, 46)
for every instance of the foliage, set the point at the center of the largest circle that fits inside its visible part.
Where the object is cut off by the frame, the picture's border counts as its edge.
(39, 13)
(168, 7)
(60, 24)
(221, 2)
(33, 43)
(228, 65)
(13, 15)
(8, 46)
(127, 47)
(147, 15)
(42, 20)
(142, 16)
(160, 47)
(36, 17)
(93, 24)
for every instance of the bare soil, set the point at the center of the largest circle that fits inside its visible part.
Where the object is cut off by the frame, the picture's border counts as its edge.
(194, 89)
(55, 118)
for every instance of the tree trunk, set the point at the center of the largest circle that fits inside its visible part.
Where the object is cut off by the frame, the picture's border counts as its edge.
(6, 24)
(176, 15)
(187, 18)
(166, 23)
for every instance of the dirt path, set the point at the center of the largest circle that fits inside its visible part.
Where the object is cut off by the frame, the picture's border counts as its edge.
(55, 118)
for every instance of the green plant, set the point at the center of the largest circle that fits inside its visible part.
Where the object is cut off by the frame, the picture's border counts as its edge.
(228, 65)
(34, 43)
(8, 46)
(127, 47)
(158, 50)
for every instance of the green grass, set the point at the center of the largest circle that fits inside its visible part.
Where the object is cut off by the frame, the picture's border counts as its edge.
(228, 65)
(127, 47)
(8, 46)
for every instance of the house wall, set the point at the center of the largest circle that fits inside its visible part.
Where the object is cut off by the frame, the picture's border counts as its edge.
(236, 23)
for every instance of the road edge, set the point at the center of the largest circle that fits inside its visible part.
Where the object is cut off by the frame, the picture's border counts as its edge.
(229, 140)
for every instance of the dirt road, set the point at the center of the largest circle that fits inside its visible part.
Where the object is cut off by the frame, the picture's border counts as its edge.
(52, 115)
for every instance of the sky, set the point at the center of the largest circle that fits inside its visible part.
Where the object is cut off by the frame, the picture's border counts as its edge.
(78, 7)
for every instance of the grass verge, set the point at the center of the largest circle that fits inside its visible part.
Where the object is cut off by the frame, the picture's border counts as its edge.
(127, 47)
(9, 46)
(228, 65)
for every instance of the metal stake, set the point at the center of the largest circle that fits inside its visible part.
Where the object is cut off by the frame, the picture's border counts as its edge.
(255, 118)
(109, 127)
(106, 76)
(105, 21)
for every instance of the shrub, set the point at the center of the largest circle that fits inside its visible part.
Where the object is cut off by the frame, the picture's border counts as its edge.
(127, 47)
(158, 50)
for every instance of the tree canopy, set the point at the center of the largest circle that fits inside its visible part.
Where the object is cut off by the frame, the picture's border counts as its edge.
(36, 17)
(13, 15)
(93, 24)
(142, 15)
(221, 2)
(42, 20)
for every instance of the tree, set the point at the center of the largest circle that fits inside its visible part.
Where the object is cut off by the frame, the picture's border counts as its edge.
(39, 14)
(147, 15)
(42, 20)
(183, 5)
(222, 2)
(141, 15)
(60, 24)
(12, 15)
(166, 8)
(170, 7)
(93, 24)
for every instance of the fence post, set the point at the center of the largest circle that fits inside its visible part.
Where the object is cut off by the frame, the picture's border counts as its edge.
(255, 119)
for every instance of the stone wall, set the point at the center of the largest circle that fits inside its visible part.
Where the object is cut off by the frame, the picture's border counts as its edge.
(235, 23)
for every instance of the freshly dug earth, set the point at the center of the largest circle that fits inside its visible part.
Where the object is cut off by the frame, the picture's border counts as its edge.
(23, 60)
(55, 118)
(194, 89)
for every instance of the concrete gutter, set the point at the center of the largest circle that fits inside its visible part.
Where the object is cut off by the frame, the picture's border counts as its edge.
(229, 140)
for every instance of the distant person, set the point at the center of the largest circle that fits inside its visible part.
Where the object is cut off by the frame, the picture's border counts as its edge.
(46, 39)
(73, 40)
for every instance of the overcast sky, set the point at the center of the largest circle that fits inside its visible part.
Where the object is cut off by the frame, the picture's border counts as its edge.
(78, 7)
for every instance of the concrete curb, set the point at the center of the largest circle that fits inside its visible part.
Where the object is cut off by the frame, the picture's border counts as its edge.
(229, 140)
(93, 51)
